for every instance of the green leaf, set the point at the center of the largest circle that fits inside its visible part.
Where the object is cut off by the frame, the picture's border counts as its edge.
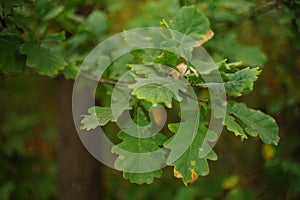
(228, 67)
(142, 69)
(145, 55)
(54, 12)
(97, 66)
(150, 70)
(70, 71)
(235, 83)
(140, 158)
(241, 80)
(11, 61)
(158, 90)
(167, 58)
(56, 38)
(96, 23)
(98, 116)
(230, 47)
(189, 147)
(190, 21)
(138, 144)
(256, 122)
(141, 178)
(190, 165)
(194, 30)
(141, 155)
(42, 59)
(147, 37)
(233, 126)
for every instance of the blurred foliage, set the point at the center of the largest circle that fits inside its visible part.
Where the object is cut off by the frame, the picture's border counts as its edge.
(260, 32)
(28, 138)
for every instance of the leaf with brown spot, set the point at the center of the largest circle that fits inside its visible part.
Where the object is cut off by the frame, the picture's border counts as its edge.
(189, 165)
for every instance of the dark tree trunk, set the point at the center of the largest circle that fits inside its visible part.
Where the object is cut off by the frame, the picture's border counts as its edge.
(79, 172)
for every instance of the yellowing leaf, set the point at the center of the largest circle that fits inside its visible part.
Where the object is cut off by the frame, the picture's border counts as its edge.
(194, 175)
(206, 37)
(98, 116)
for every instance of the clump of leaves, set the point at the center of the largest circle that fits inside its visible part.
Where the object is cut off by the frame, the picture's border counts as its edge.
(152, 83)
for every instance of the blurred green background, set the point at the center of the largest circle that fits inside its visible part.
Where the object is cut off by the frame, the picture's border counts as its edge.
(41, 156)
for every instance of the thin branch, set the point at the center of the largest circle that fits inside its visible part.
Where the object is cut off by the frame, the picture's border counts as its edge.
(194, 98)
(9, 75)
(253, 14)
(125, 84)
(111, 82)
(260, 11)
(106, 81)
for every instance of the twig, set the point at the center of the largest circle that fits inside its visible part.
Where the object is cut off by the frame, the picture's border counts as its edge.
(194, 98)
(125, 84)
(111, 82)
(106, 81)
(9, 75)
(254, 13)
(260, 11)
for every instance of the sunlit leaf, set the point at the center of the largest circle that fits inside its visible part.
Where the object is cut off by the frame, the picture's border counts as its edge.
(158, 90)
(98, 116)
